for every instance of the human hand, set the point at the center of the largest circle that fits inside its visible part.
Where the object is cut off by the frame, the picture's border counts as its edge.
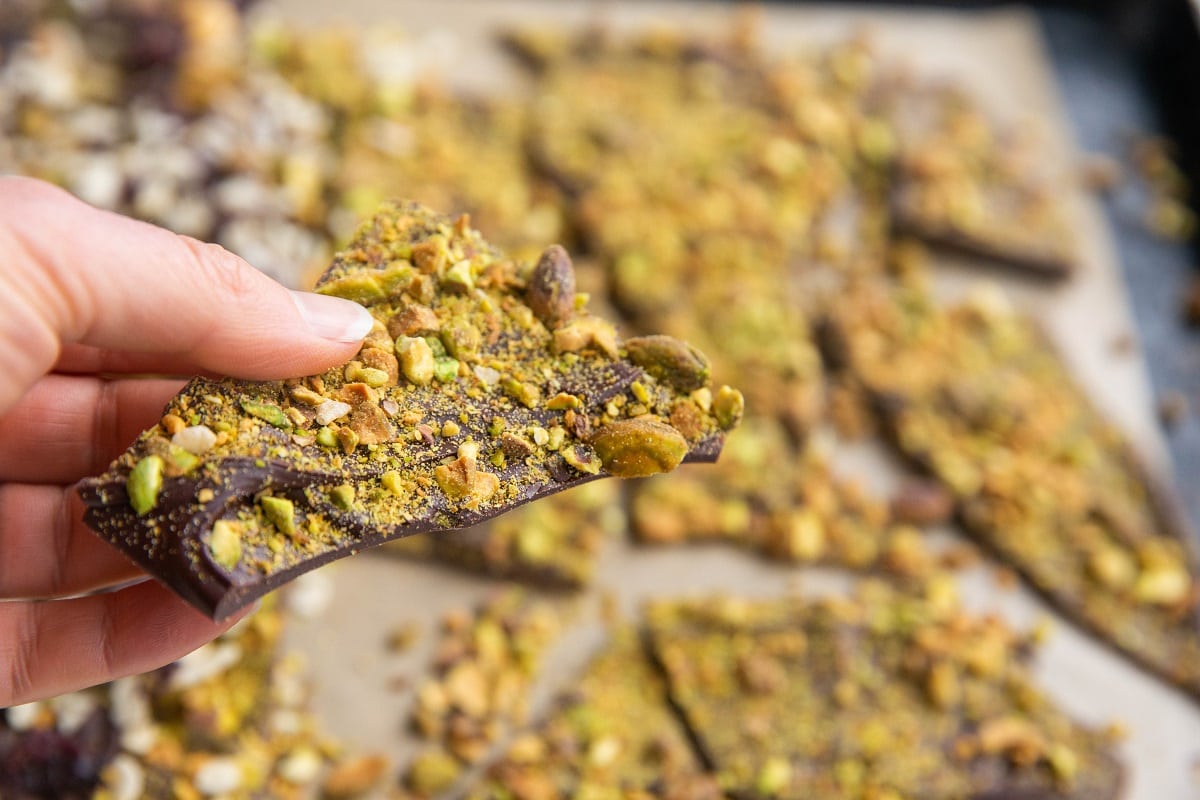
(90, 300)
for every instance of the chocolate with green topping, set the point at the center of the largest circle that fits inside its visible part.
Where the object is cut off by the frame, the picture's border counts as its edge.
(975, 395)
(612, 734)
(886, 695)
(495, 391)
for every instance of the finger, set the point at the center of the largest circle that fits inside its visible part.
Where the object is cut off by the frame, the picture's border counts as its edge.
(55, 646)
(81, 359)
(75, 274)
(67, 427)
(48, 551)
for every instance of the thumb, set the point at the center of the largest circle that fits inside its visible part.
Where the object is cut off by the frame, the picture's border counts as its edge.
(75, 274)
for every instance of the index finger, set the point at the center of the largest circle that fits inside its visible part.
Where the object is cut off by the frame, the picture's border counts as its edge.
(75, 274)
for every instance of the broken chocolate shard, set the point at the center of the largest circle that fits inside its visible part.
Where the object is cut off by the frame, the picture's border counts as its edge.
(612, 734)
(975, 396)
(268, 480)
(964, 184)
(887, 694)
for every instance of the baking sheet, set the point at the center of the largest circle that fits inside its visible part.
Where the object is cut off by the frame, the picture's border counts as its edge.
(998, 56)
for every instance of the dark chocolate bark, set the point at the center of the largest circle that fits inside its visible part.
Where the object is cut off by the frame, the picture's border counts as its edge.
(976, 396)
(484, 385)
(963, 183)
(483, 670)
(612, 735)
(884, 695)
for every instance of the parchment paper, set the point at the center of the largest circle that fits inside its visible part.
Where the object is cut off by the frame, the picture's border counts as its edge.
(998, 55)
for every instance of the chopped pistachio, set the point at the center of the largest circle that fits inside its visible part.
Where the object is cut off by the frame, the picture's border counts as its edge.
(461, 340)
(527, 394)
(281, 512)
(462, 480)
(327, 438)
(305, 395)
(349, 439)
(563, 401)
(331, 410)
(587, 332)
(144, 484)
(363, 289)
(582, 458)
(774, 776)
(343, 496)
(267, 412)
(633, 448)
(445, 369)
(225, 543)
(670, 360)
(416, 359)
(393, 482)
(458, 277)
(728, 407)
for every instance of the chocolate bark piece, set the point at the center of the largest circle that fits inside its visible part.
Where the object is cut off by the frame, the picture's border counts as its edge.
(482, 407)
(652, 191)
(612, 734)
(964, 183)
(484, 665)
(553, 543)
(976, 396)
(782, 501)
(882, 695)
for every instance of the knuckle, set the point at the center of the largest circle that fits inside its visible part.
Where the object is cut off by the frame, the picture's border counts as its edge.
(221, 270)
(107, 649)
(20, 627)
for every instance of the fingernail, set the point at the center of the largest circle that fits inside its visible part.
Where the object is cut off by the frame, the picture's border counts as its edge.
(332, 317)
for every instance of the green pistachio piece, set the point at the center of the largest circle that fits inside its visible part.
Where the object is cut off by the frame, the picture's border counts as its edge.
(728, 407)
(268, 413)
(563, 401)
(372, 287)
(281, 512)
(181, 460)
(639, 391)
(396, 278)
(445, 369)
(144, 484)
(416, 359)
(635, 448)
(373, 377)
(461, 339)
(225, 543)
(327, 438)
(364, 289)
(458, 277)
(432, 772)
(343, 496)
(527, 394)
(348, 438)
(582, 458)
(774, 777)
(392, 481)
(672, 361)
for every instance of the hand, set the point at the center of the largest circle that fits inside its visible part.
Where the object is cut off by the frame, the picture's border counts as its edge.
(88, 301)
